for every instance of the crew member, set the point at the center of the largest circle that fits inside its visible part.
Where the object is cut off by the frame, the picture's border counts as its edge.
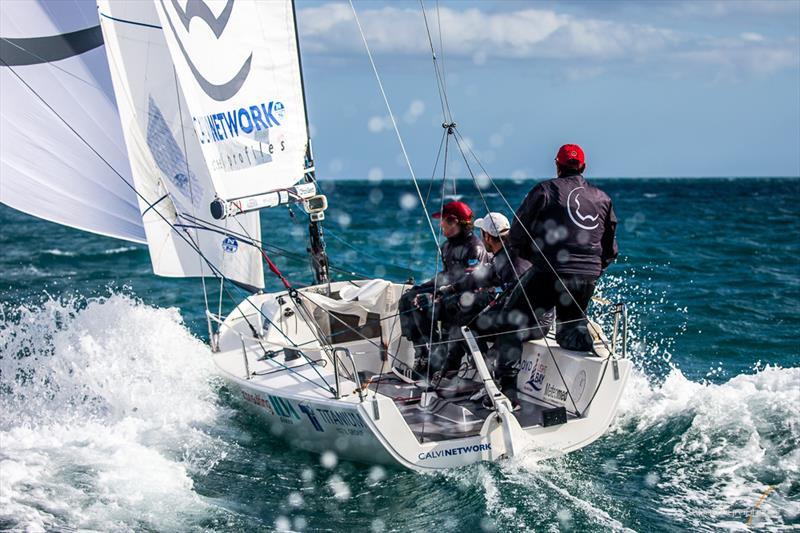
(461, 253)
(566, 227)
(479, 288)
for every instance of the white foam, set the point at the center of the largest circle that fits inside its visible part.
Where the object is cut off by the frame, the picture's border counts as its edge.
(119, 250)
(105, 420)
(60, 253)
(734, 440)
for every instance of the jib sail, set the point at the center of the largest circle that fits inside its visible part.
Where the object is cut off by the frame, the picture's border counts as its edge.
(167, 158)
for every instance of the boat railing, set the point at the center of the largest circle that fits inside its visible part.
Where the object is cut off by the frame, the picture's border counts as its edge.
(336, 373)
(620, 328)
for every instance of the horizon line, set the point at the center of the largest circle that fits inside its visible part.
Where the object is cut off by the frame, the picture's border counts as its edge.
(527, 178)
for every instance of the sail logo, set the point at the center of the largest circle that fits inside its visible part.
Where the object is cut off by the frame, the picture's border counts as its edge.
(230, 244)
(583, 221)
(243, 121)
(199, 9)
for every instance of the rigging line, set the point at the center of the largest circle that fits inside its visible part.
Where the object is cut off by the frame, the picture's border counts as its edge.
(191, 193)
(436, 164)
(365, 254)
(433, 175)
(530, 237)
(441, 51)
(208, 226)
(307, 318)
(388, 344)
(151, 206)
(516, 274)
(435, 272)
(191, 245)
(394, 124)
(292, 370)
(433, 56)
(394, 356)
(435, 283)
(311, 362)
(446, 113)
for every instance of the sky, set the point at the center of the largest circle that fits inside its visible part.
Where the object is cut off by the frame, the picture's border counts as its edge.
(677, 88)
(650, 88)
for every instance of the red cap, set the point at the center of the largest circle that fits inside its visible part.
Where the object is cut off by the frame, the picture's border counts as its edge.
(460, 210)
(570, 155)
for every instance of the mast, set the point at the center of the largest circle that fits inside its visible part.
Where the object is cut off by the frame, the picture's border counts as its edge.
(316, 249)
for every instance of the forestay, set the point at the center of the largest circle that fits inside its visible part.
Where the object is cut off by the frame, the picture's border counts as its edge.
(167, 163)
(46, 170)
(238, 65)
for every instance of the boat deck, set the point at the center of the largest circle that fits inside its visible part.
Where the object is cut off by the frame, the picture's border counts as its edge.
(449, 413)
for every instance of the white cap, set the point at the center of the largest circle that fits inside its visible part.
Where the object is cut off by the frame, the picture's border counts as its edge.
(495, 224)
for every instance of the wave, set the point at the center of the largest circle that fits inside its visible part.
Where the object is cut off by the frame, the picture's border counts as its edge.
(110, 251)
(683, 454)
(105, 407)
(60, 253)
(719, 447)
(109, 409)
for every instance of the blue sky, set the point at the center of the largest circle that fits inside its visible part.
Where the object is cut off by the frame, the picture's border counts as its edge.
(673, 88)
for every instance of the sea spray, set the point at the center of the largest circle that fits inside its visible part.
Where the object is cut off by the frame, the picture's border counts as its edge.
(105, 407)
(716, 448)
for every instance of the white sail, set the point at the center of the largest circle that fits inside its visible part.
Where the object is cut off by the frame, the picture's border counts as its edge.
(46, 170)
(239, 68)
(165, 156)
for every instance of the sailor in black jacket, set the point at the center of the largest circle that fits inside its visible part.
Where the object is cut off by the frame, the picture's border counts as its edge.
(483, 286)
(462, 252)
(566, 227)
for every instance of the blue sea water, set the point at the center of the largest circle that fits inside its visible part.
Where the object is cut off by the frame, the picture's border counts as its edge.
(113, 419)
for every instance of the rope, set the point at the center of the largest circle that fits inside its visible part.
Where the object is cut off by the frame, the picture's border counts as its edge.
(180, 234)
(527, 232)
(394, 124)
(516, 274)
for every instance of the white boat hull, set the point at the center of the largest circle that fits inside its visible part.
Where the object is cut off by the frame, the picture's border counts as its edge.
(297, 401)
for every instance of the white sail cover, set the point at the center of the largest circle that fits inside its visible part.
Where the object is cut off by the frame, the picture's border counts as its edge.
(168, 167)
(239, 68)
(45, 169)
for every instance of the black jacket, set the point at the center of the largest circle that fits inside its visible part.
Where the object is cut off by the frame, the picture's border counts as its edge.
(573, 224)
(460, 255)
(497, 272)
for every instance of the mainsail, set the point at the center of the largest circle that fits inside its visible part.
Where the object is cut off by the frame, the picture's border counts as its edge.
(168, 167)
(238, 66)
(51, 76)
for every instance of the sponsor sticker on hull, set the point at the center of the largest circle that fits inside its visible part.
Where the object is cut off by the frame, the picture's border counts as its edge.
(450, 452)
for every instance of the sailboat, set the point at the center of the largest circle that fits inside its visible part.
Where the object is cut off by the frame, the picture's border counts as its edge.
(210, 127)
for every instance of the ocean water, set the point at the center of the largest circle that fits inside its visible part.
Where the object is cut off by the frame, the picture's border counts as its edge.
(112, 418)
